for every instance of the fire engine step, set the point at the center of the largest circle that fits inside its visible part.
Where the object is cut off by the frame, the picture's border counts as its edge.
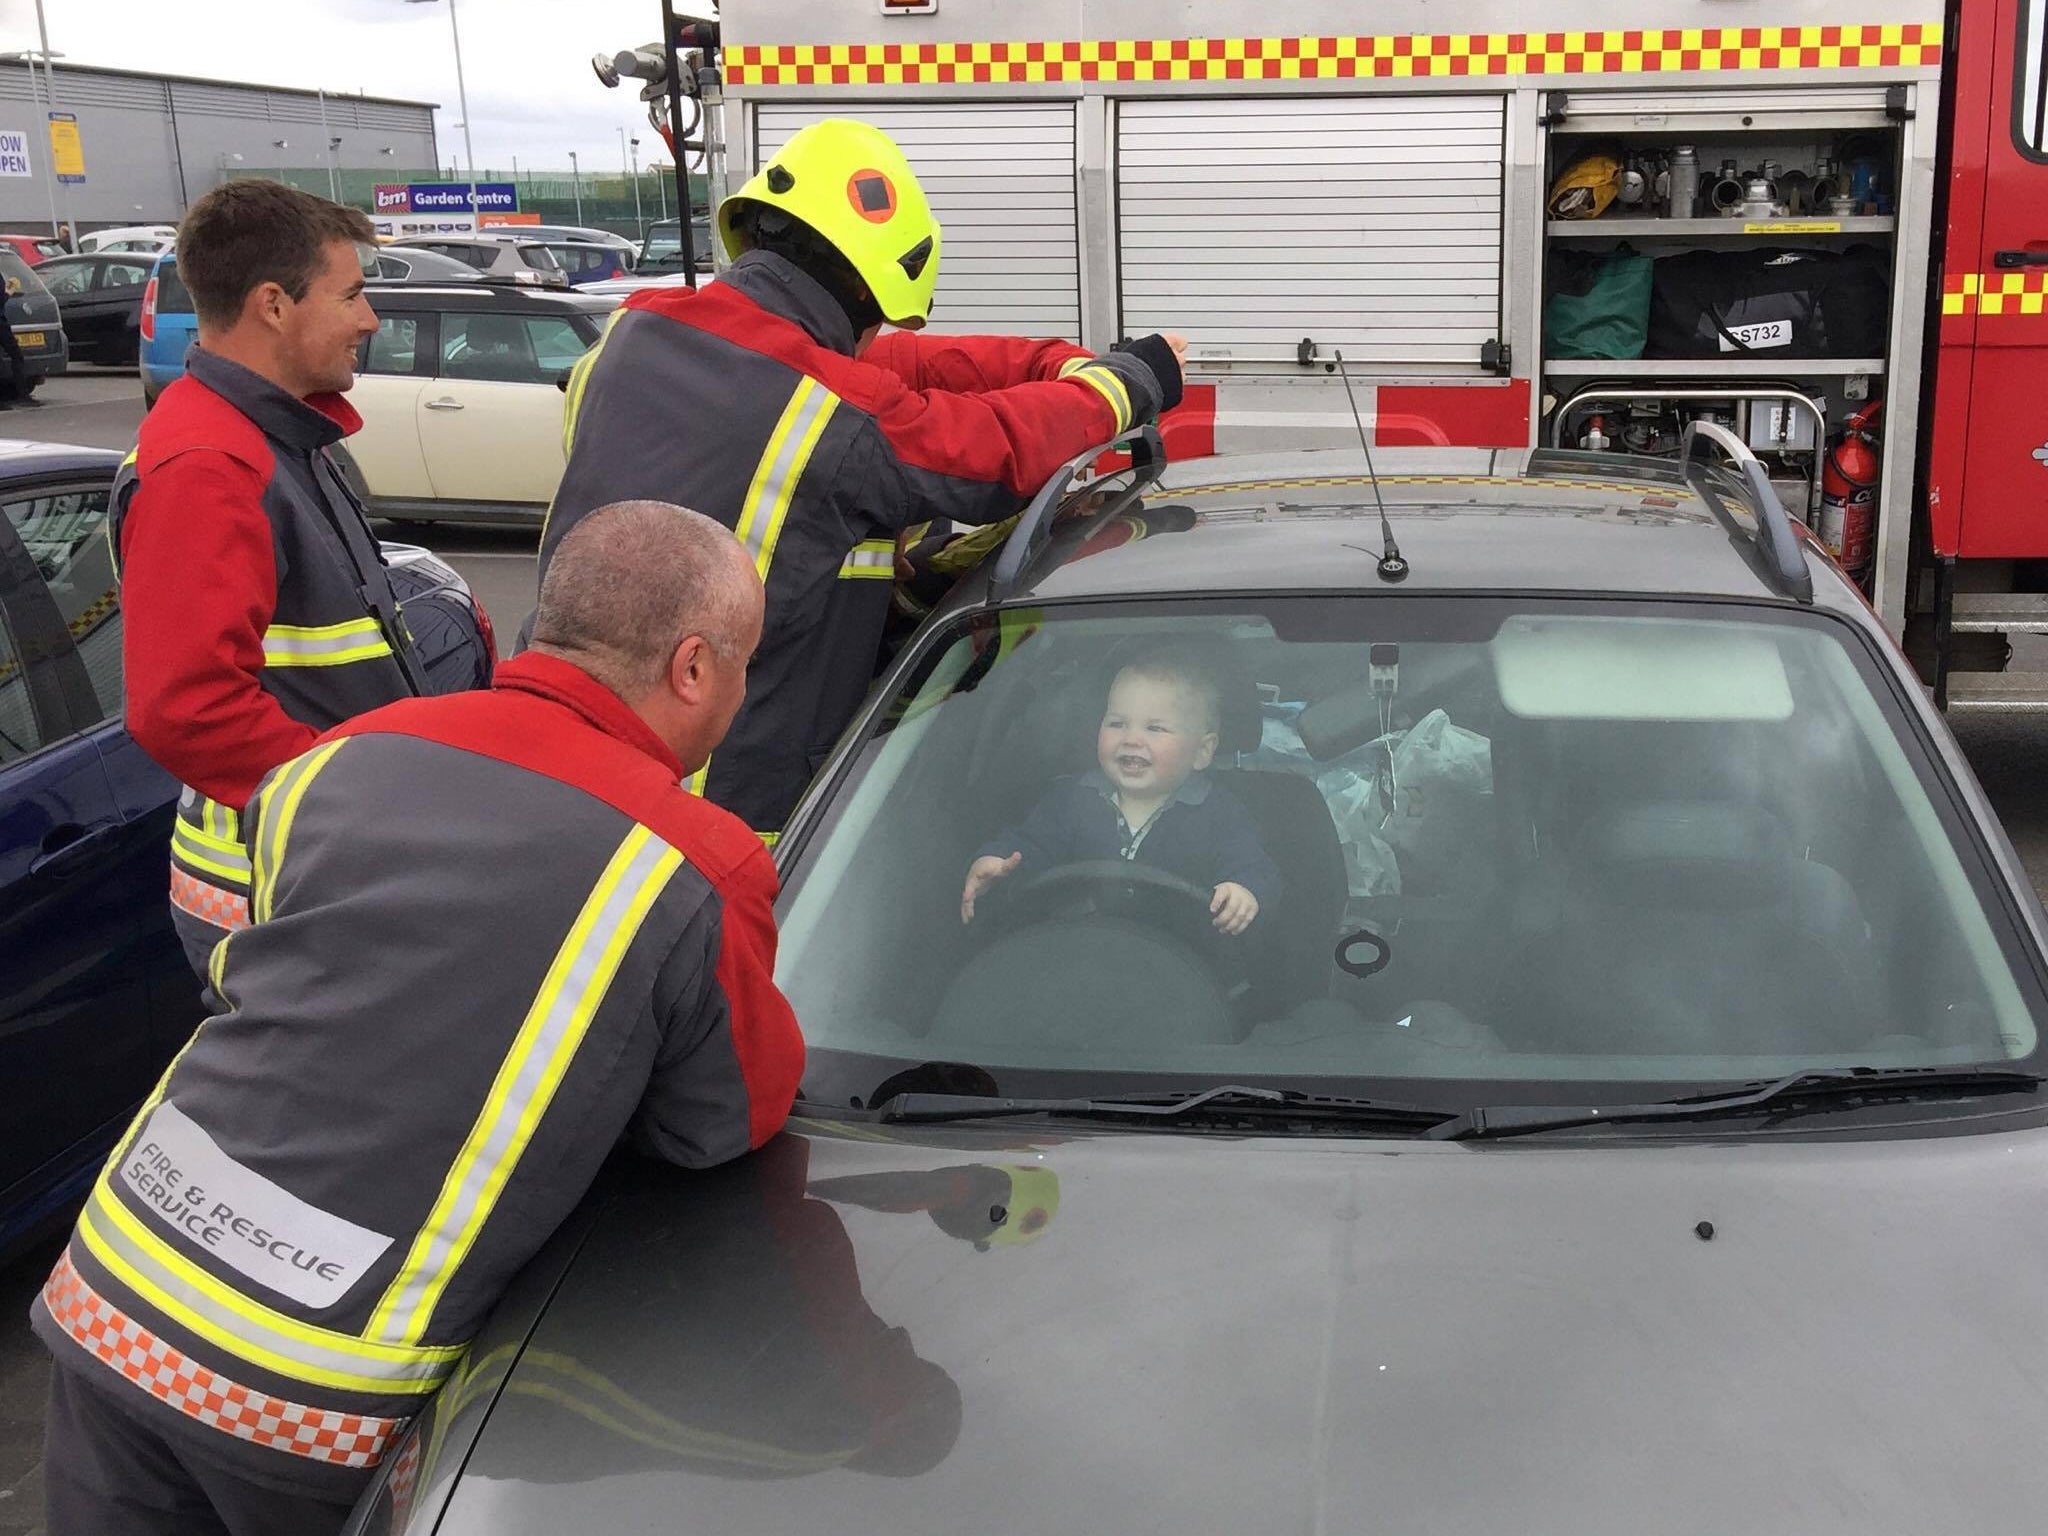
(2000, 612)
(2014, 692)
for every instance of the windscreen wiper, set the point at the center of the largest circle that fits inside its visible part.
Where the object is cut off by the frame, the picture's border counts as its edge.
(1229, 1101)
(1843, 1088)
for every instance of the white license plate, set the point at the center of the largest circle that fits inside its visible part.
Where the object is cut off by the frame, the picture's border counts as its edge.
(30, 338)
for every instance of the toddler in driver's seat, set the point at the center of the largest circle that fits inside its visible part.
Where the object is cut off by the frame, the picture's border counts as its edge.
(1149, 800)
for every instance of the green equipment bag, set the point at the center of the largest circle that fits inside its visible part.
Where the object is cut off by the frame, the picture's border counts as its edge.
(1598, 305)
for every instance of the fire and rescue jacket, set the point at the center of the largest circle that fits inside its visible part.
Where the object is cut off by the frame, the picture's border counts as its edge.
(492, 934)
(256, 610)
(743, 400)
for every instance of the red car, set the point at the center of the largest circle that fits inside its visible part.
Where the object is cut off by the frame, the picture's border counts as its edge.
(34, 248)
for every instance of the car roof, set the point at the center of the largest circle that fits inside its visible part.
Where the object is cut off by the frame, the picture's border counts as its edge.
(1306, 521)
(23, 459)
(391, 295)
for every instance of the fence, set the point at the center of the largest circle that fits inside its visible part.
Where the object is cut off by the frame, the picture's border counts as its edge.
(601, 200)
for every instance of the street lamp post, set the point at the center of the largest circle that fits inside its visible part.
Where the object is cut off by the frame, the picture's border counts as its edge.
(576, 176)
(50, 96)
(332, 142)
(661, 188)
(29, 57)
(462, 101)
(632, 169)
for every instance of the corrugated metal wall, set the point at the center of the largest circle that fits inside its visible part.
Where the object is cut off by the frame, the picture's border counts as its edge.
(138, 170)
(1374, 225)
(1001, 178)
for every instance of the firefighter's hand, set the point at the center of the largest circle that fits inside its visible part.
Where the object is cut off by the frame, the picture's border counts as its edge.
(983, 873)
(1234, 907)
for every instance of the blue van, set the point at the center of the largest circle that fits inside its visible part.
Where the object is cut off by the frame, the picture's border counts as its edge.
(169, 327)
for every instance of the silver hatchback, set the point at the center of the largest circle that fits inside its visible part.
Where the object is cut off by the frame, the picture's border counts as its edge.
(499, 258)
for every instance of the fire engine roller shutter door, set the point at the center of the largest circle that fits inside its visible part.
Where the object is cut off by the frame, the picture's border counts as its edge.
(1000, 176)
(1374, 225)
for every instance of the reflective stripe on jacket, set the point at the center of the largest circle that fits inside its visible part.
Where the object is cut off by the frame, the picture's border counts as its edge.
(491, 935)
(743, 400)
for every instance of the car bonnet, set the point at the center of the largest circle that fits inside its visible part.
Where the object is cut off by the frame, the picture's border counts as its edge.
(860, 1331)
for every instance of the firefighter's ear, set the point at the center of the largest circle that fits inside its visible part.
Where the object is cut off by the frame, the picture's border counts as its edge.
(689, 669)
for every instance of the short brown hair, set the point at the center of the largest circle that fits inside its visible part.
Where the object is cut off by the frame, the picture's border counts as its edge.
(246, 233)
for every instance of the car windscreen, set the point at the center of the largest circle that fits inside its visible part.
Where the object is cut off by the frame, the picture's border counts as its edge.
(13, 271)
(1491, 851)
(540, 258)
(172, 296)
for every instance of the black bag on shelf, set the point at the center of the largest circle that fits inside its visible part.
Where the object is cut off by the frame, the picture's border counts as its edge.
(1770, 303)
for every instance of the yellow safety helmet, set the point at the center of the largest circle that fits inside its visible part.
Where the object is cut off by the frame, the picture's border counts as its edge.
(850, 183)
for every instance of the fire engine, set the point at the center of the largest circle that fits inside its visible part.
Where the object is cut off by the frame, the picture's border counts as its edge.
(1824, 226)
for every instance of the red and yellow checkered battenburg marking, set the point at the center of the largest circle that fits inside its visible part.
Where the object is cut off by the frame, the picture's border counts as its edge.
(1995, 293)
(1673, 50)
(209, 903)
(340, 1439)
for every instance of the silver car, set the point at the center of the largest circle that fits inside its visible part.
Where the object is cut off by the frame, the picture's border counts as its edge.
(528, 263)
(1623, 1113)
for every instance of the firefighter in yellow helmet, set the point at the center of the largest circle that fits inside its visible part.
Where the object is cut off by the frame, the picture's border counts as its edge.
(772, 401)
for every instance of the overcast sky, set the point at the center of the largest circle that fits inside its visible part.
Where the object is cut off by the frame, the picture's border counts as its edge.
(526, 62)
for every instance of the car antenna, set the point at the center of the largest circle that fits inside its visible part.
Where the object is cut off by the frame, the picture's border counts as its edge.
(1391, 567)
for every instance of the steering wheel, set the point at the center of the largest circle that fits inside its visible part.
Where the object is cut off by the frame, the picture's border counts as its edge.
(1112, 887)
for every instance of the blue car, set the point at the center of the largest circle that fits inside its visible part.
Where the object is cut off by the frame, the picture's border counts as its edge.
(95, 994)
(169, 327)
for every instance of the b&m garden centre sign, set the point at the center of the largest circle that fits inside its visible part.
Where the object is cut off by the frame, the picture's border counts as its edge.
(438, 207)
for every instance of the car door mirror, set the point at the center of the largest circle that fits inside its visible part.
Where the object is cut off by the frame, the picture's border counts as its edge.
(562, 380)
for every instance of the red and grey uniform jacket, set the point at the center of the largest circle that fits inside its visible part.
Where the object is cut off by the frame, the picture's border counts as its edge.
(492, 935)
(256, 610)
(743, 400)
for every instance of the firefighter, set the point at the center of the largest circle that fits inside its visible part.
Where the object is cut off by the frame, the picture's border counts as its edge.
(491, 935)
(770, 401)
(256, 608)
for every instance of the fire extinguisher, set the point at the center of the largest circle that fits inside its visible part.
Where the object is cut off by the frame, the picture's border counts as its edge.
(1848, 492)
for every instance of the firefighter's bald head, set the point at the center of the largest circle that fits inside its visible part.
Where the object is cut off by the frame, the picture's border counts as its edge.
(662, 605)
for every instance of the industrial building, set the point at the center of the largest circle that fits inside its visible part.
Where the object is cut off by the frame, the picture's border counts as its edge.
(152, 143)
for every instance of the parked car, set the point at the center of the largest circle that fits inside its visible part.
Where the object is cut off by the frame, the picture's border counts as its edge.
(95, 992)
(38, 325)
(413, 265)
(1625, 1113)
(460, 396)
(148, 239)
(584, 262)
(168, 327)
(581, 234)
(100, 301)
(33, 249)
(662, 251)
(528, 263)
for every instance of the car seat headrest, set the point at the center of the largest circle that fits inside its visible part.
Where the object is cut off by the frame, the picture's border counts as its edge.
(1685, 853)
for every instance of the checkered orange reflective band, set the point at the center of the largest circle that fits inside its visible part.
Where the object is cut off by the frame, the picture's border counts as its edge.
(1673, 50)
(340, 1439)
(1994, 293)
(209, 903)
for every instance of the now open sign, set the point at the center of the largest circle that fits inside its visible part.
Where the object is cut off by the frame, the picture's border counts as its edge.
(14, 152)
